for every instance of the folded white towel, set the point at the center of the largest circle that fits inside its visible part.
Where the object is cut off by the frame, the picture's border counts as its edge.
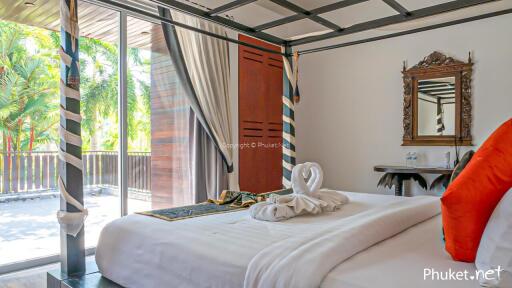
(315, 174)
(299, 185)
(278, 208)
(307, 198)
(302, 171)
(267, 211)
(334, 199)
(300, 204)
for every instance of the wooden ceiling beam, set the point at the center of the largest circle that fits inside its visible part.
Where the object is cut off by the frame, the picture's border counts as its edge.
(397, 7)
(191, 10)
(229, 6)
(316, 11)
(313, 17)
(395, 19)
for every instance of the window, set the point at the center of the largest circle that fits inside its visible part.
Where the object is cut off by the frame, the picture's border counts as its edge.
(158, 115)
(157, 132)
(99, 81)
(29, 120)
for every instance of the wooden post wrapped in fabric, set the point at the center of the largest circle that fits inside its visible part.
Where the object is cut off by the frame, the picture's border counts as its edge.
(72, 212)
(288, 126)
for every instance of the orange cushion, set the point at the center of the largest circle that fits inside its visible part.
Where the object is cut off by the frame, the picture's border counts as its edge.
(470, 200)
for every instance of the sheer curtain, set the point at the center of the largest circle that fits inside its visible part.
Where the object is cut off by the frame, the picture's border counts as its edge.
(202, 64)
(207, 61)
(170, 130)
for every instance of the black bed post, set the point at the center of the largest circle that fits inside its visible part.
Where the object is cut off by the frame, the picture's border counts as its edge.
(72, 249)
(288, 124)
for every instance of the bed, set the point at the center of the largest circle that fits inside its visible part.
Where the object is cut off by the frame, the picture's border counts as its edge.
(216, 250)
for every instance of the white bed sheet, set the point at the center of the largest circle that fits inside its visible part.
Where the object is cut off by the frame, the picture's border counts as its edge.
(399, 262)
(214, 251)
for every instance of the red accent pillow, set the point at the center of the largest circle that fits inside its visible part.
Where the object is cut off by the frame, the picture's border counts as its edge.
(470, 200)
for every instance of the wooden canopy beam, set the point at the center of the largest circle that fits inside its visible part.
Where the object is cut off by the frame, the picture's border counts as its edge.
(397, 7)
(191, 10)
(316, 11)
(395, 19)
(229, 6)
(313, 17)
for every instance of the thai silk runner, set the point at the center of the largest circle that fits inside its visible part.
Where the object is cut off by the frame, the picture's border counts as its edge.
(229, 201)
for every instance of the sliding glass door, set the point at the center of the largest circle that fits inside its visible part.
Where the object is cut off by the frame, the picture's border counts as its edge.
(29, 120)
(99, 77)
(158, 123)
(141, 104)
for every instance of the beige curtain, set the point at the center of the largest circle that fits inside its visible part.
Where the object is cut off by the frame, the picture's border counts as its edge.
(208, 171)
(207, 61)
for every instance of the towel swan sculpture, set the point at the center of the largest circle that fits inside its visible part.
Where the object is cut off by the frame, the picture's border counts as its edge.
(307, 197)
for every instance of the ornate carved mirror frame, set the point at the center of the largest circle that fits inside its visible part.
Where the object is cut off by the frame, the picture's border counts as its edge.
(434, 66)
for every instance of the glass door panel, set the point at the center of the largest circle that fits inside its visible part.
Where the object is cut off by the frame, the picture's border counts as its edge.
(29, 136)
(158, 123)
(99, 74)
(29, 197)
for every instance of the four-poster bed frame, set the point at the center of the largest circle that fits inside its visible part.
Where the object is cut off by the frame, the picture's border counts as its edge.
(73, 266)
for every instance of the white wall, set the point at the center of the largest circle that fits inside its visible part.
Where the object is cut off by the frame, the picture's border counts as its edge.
(350, 115)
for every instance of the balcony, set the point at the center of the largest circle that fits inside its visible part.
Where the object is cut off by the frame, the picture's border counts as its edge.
(157, 121)
(29, 199)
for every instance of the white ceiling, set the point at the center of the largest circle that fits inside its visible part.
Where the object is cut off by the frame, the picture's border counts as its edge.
(259, 12)
(45, 14)
(264, 11)
(363, 12)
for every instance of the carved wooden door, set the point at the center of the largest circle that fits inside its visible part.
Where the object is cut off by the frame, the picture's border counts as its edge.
(260, 117)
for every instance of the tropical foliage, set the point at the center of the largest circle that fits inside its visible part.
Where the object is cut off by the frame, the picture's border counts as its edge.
(28, 113)
(29, 92)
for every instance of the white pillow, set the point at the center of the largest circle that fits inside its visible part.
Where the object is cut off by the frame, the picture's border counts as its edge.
(495, 248)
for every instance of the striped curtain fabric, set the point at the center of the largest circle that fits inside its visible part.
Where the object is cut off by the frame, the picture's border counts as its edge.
(289, 100)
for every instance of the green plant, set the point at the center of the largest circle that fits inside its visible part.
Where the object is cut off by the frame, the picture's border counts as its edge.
(29, 91)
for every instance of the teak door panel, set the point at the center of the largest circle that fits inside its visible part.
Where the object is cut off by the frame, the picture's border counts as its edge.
(260, 117)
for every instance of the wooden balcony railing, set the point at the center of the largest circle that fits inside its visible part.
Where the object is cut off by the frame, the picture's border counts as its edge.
(38, 171)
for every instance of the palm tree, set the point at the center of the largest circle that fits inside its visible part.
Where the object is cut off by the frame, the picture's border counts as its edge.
(27, 89)
(99, 77)
(99, 73)
(9, 50)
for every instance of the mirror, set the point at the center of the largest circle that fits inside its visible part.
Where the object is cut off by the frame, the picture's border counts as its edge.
(437, 102)
(436, 106)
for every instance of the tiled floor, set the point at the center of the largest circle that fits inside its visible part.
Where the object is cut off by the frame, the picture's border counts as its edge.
(29, 229)
(31, 278)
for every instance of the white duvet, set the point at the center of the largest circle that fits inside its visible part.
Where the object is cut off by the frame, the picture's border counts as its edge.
(216, 251)
(288, 263)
